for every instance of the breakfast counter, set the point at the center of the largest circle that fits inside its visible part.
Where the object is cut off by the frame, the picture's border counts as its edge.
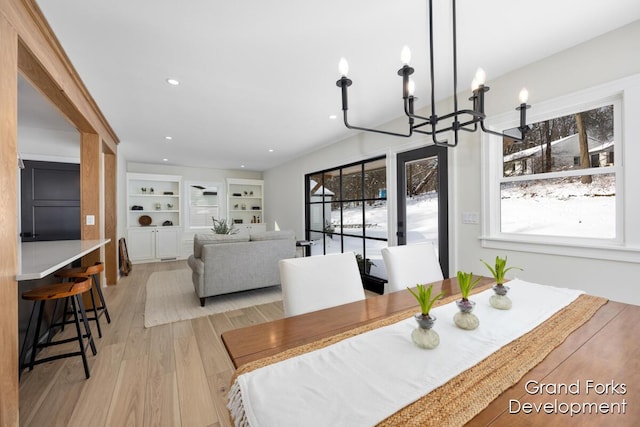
(39, 259)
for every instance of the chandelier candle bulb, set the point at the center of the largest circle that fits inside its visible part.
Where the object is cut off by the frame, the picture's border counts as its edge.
(481, 77)
(343, 67)
(405, 55)
(523, 96)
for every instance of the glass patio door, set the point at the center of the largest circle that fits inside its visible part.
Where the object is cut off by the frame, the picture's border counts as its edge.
(422, 200)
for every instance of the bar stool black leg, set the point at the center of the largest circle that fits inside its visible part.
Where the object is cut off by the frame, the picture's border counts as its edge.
(87, 328)
(23, 351)
(95, 312)
(65, 313)
(63, 320)
(34, 347)
(75, 302)
(96, 282)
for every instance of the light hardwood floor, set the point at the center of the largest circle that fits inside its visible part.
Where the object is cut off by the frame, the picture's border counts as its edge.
(169, 375)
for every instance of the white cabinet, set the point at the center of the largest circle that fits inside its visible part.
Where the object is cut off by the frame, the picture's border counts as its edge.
(153, 243)
(167, 243)
(245, 204)
(154, 218)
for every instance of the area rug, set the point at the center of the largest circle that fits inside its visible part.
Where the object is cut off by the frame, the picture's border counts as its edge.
(170, 298)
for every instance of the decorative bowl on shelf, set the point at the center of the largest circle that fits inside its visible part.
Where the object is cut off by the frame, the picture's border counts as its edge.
(144, 220)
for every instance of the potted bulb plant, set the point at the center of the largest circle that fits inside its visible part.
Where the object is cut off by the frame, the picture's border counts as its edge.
(500, 300)
(423, 296)
(424, 336)
(465, 319)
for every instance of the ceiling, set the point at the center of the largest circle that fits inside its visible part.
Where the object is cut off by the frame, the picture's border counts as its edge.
(257, 78)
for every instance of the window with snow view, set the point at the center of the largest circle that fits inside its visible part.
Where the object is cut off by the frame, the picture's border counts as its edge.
(346, 211)
(561, 180)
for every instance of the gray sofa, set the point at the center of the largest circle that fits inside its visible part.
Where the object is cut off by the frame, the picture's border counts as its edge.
(222, 264)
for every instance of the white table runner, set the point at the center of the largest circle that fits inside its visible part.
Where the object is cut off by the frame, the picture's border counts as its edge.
(364, 379)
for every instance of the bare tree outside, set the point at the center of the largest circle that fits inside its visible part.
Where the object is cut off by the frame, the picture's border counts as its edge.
(584, 148)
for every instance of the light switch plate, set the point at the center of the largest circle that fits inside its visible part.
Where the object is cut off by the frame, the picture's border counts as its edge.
(470, 218)
(91, 220)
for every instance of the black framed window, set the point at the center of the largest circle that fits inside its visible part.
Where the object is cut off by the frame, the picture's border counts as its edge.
(346, 211)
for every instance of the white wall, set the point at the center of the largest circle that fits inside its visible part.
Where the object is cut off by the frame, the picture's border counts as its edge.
(606, 58)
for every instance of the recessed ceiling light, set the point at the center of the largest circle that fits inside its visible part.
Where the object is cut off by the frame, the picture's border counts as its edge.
(173, 82)
(241, 166)
(271, 150)
(168, 138)
(333, 117)
(165, 160)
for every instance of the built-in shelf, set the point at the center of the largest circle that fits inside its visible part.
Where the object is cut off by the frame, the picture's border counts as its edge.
(245, 204)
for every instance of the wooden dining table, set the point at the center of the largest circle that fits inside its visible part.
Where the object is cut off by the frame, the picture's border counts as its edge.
(597, 364)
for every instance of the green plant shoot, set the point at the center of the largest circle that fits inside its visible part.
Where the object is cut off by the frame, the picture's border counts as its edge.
(361, 260)
(466, 283)
(424, 297)
(220, 226)
(500, 269)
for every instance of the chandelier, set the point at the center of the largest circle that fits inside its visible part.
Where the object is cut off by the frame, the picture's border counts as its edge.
(465, 119)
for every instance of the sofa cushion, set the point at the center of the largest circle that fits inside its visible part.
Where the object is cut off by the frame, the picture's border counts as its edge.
(272, 235)
(207, 239)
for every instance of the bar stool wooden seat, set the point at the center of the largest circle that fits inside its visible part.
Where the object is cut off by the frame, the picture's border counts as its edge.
(54, 292)
(85, 272)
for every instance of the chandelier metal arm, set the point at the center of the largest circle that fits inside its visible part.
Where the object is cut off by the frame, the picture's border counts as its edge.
(434, 133)
(464, 126)
(415, 116)
(384, 132)
(523, 131)
(343, 84)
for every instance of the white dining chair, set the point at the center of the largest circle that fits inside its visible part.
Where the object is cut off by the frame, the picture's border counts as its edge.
(320, 281)
(408, 265)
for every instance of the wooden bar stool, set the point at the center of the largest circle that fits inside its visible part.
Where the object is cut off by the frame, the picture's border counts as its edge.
(85, 272)
(55, 292)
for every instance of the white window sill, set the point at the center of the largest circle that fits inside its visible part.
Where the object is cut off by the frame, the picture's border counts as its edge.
(602, 251)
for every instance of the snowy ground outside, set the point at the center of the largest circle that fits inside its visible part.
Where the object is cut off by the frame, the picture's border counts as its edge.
(561, 208)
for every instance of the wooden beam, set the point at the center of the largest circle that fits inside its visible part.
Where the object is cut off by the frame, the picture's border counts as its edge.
(39, 40)
(9, 397)
(110, 218)
(33, 71)
(90, 190)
